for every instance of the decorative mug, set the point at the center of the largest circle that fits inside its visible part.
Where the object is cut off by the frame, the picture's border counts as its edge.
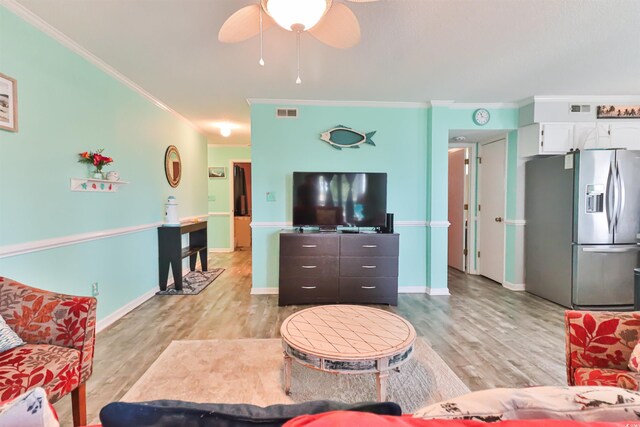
(113, 176)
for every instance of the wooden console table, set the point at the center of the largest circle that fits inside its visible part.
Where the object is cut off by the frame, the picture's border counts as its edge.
(171, 252)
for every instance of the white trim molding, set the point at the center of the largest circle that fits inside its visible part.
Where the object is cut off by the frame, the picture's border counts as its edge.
(438, 291)
(514, 286)
(70, 44)
(487, 105)
(438, 224)
(333, 103)
(122, 311)
(413, 290)
(219, 213)
(410, 223)
(264, 291)
(517, 222)
(57, 242)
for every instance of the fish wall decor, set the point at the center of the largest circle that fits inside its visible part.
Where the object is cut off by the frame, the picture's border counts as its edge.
(344, 137)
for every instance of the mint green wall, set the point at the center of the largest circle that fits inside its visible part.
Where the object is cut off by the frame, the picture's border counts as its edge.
(219, 194)
(442, 119)
(67, 105)
(281, 146)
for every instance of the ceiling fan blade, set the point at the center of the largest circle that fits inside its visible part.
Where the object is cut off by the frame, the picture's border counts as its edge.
(338, 28)
(244, 24)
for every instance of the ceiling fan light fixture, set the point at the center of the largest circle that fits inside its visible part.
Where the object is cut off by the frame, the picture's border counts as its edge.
(288, 13)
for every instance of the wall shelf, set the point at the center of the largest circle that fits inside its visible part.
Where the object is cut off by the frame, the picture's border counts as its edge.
(98, 185)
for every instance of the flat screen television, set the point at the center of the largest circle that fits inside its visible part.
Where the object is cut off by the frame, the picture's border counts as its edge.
(331, 199)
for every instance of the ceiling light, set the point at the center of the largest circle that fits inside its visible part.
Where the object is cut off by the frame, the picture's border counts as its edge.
(288, 13)
(459, 138)
(225, 130)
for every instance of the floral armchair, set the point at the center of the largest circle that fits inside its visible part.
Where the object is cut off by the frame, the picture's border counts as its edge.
(60, 332)
(599, 346)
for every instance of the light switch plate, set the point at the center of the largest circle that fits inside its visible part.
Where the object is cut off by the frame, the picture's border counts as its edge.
(271, 196)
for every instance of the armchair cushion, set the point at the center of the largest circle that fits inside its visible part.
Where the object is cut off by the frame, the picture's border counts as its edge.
(54, 368)
(607, 377)
(8, 338)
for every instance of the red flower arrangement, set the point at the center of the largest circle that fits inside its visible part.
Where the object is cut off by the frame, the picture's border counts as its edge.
(95, 158)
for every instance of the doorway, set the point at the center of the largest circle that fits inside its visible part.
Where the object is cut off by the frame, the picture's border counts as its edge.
(241, 207)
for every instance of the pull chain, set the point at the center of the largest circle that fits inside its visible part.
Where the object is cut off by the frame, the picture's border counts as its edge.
(261, 62)
(298, 80)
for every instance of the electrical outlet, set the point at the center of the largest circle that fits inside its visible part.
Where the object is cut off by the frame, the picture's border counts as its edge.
(94, 289)
(271, 196)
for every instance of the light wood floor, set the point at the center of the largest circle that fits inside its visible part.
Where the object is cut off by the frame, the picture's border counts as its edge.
(489, 336)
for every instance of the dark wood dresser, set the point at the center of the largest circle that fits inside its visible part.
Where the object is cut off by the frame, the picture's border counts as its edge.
(323, 268)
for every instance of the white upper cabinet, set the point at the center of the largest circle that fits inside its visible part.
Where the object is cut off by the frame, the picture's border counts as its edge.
(591, 135)
(545, 138)
(625, 135)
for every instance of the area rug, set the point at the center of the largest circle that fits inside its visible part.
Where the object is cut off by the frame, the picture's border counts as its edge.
(194, 282)
(250, 371)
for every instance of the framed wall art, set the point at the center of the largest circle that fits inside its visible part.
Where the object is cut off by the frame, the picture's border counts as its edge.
(8, 103)
(217, 172)
(619, 111)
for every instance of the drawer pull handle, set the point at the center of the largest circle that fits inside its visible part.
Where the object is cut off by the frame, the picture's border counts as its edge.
(368, 287)
(309, 246)
(309, 266)
(309, 287)
(368, 266)
(369, 246)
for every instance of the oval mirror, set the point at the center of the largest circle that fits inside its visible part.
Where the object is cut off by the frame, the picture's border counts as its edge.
(172, 166)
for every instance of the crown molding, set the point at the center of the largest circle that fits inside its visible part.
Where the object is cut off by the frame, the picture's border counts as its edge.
(330, 103)
(70, 44)
(487, 105)
(587, 98)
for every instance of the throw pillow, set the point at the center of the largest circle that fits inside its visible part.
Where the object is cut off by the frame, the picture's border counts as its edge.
(634, 361)
(558, 403)
(170, 413)
(30, 409)
(8, 338)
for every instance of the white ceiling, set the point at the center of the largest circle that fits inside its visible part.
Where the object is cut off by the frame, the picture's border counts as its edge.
(411, 50)
(477, 135)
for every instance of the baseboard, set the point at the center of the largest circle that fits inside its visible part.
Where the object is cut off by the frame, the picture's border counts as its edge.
(264, 291)
(122, 311)
(513, 286)
(438, 291)
(413, 290)
(220, 250)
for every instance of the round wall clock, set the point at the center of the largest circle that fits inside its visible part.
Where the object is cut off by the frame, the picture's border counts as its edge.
(481, 116)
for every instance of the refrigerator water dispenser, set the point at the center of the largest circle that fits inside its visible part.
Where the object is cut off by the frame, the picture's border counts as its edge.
(595, 198)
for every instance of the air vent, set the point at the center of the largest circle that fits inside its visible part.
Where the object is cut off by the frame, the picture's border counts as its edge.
(286, 113)
(579, 108)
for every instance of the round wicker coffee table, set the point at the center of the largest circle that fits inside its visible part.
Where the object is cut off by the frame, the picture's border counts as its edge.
(347, 339)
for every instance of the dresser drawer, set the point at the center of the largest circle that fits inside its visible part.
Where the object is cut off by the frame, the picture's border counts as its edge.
(309, 245)
(308, 291)
(371, 290)
(369, 245)
(369, 266)
(308, 266)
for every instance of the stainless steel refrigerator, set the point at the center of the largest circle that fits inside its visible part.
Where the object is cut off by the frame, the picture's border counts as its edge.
(582, 216)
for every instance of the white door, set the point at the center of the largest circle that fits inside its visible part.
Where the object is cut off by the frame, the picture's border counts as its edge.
(491, 215)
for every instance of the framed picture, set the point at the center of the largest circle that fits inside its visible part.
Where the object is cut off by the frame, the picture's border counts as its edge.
(619, 111)
(217, 172)
(8, 103)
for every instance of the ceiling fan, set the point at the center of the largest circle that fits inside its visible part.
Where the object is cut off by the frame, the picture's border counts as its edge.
(330, 22)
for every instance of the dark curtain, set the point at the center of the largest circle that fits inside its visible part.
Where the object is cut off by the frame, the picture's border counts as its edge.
(239, 192)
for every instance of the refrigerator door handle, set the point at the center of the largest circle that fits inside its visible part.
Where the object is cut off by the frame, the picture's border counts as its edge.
(612, 250)
(620, 196)
(610, 198)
